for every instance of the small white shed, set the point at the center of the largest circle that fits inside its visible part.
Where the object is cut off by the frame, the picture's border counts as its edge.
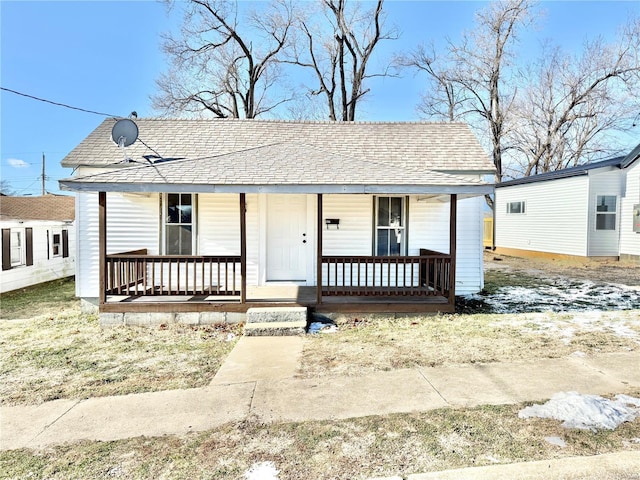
(584, 211)
(38, 240)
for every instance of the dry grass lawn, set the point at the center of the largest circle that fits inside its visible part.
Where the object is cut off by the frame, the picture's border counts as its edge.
(348, 449)
(60, 353)
(372, 343)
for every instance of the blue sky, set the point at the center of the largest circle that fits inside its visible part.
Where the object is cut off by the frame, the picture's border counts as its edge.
(105, 56)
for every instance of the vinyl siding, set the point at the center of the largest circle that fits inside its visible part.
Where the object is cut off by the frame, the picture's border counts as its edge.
(45, 266)
(133, 222)
(630, 240)
(604, 242)
(555, 219)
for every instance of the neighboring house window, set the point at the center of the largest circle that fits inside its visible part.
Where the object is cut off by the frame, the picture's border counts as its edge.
(515, 207)
(57, 245)
(390, 226)
(179, 224)
(17, 247)
(17, 240)
(606, 212)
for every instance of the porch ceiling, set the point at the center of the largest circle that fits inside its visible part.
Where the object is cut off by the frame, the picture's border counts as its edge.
(277, 168)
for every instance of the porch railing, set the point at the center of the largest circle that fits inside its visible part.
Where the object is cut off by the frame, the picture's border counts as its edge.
(138, 274)
(425, 274)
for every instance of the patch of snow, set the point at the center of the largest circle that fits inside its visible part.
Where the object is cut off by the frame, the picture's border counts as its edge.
(557, 441)
(262, 471)
(578, 354)
(586, 412)
(563, 295)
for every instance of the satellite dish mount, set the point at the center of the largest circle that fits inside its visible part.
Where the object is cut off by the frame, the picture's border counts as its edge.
(124, 133)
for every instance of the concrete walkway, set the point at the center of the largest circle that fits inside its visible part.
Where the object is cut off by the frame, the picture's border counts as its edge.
(258, 381)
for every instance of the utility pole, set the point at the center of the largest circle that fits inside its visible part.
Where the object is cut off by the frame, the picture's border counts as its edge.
(43, 177)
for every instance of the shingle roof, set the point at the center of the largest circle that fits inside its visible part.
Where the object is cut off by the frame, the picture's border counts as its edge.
(284, 165)
(448, 147)
(47, 207)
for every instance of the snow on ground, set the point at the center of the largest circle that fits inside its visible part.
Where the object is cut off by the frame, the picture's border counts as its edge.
(262, 471)
(588, 412)
(563, 296)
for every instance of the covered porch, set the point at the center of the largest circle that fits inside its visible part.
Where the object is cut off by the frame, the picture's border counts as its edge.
(135, 281)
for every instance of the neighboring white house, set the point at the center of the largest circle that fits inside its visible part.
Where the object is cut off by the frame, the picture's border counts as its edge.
(630, 212)
(366, 216)
(583, 211)
(38, 240)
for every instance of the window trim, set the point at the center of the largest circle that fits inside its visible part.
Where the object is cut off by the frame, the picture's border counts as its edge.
(21, 261)
(522, 209)
(613, 213)
(164, 214)
(404, 245)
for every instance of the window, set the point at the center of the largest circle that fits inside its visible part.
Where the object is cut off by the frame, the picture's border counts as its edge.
(515, 207)
(606, 212)
(17, 247)
(179, 223)
(390, 226)
(57, 245)
(17, 240)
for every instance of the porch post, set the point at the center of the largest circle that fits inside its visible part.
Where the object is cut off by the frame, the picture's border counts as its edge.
(102, 246)
(453, 219)
(319, 254)
(243, 248)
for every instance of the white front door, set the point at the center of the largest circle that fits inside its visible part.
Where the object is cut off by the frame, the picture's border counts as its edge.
(287, 238)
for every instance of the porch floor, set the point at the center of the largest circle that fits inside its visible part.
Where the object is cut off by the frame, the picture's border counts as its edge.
(278, 295)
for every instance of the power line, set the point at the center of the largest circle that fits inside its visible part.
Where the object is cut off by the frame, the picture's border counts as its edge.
(57, 103)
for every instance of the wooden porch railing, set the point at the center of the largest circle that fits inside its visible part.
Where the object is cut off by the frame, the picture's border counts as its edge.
(138, 274)
(425, 275)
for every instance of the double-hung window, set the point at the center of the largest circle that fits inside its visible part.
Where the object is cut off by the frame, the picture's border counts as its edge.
(56, 247)
(606, 212)
(179, 221)
(17, 247)
(390, 234)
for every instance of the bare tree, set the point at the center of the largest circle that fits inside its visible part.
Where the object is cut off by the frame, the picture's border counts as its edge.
(5, 187)
(444, 98)
(221, 68)
(339, 51)
(572, 107)
(469, 82)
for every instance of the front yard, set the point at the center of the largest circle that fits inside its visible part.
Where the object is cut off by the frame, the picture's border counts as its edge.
(49, 350)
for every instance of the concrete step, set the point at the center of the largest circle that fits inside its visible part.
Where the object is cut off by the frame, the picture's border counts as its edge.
(275, 329)
(277, 314)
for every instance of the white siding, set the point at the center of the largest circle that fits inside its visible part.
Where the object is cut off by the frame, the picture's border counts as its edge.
(133, 222)
(604, 242)
(630, 240)
(45, 266)
(555, 220)
(355, 235)
(429, 228)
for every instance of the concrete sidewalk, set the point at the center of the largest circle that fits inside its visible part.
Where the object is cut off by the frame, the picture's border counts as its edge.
(258, 381)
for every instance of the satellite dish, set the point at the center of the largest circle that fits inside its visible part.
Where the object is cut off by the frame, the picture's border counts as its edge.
(124, 132)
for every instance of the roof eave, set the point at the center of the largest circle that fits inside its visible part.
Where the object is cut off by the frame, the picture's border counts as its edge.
(471, 189)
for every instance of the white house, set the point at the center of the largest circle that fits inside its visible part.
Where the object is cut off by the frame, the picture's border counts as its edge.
(220, 215)
(630, 211)
(583, 211)
(38, 240)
